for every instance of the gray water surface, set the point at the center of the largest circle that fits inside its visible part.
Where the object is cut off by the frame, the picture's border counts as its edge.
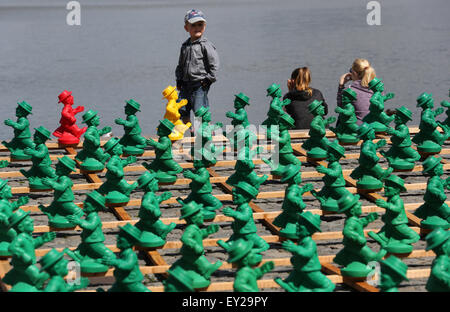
(129, 49)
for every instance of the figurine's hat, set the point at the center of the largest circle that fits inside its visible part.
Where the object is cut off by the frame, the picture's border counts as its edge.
(43, 131)
(314, 105)
(166, 123)
(97, 197)
(404, 112)
(111, 143)
(288, 120)
(437, 238)
(272, 89)
(3, 184)
(50, 258)
(27, 107)
(424, 98)
(347, 202)
(89, 115)
(69, 163)
(363, 129)
(445, 103)
(182, 276)
(311, 219)
(434, 222)
(131, 231)
(134, 104)
(241, 97)
(17, 217)
(374, 82)
(350, 93)
(145, 179)
(396, 181)
(336, 147)
(290, 171)
(239, 249)
(201, 111)
(247, 188)
(168, 91)
(189, 209)
(430, 163)
(396, 265)
(64, 95)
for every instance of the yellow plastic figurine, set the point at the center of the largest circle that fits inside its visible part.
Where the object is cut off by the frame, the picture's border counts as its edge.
(172, 107)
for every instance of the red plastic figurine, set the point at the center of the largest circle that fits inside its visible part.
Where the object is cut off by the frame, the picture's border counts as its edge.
(68, 132)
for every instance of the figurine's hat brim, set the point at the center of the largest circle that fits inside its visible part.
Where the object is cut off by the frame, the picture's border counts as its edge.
(311, 219)
(337, 148)
(247, 188)
(50, 259)
(166, 123)
(145, 179)
(168, 91)
(243, 98)
(314, 105)
(111, 143)
(134, 104)
(396, 265)
(374, 82)
(64, 95)
(190, 209)
(17, 217)
(350, 93)
(272, 89)
(131, 231)
(347, 202)
(97, 197)
(288, 120)
(69, 163)
(396, 181)
(89, 115)
(182, 276)
(363, 129)
(404, 112)
(27, 107)
(239, 249)
(436, 238)
(290, 171)
(43, 131)
(201, 111)
(430, 163)
(424, 98)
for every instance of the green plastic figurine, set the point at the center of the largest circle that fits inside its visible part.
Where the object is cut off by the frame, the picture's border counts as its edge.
(434, 211)
(242, 255)
(92, 156)
(7, 234)
(116, 188)
(393, 272)
(193, 259)
(439, 279)
(243, 225)
(333, 179)
(163, 165)
(22, 134)
(201, 189)
(25, 276)
(62, 205)
(153, 230)
(395, 236)
(179, 280)
(429, 140)
(446, 104)
(401, 156)
(204, 149)
(239, 119)
(92, 245)
(41, 163)
(356, 254)
(317, 143)
(132, 141)
(283, 154)
(244, 169)
(306, 275)
(128, 276)
(293, 203)
(347, 127)
(55, 265)
(275, 108)
(376, 117)
(369, 173)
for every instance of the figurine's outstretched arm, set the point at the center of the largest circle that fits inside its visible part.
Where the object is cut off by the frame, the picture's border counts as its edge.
(67, 113)
(243, 215)
(182, 103)
(440, 271)
(127, 263)
(131, 121)
(21, 124)
(65, 184)
(91, 222)
(16, 249)
(351, 233)
(41, 151)
(369, 218)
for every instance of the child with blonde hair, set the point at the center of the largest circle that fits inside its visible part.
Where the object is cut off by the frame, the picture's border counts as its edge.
(361, 73)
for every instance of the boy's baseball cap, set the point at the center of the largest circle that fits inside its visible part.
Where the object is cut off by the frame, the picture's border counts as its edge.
(192, 16)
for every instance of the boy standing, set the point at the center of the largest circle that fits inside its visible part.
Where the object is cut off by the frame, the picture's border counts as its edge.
(197, 65)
